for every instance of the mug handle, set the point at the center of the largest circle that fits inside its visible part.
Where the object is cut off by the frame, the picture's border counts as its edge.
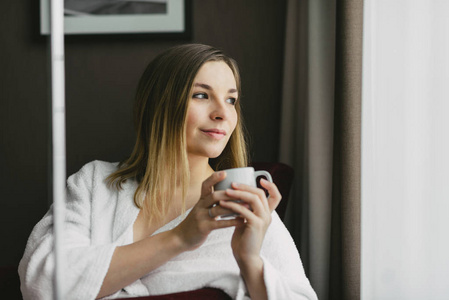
(263, 173)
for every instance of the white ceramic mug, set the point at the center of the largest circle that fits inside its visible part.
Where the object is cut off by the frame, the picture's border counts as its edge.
(241, 175)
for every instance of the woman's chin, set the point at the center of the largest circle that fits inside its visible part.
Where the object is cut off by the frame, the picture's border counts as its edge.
(206, 154)
(215, 155)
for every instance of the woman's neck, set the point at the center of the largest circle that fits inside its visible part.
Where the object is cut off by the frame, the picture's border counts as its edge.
(200, 170)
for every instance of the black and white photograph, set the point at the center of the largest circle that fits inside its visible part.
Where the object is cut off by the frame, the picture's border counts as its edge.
(114, 7)
(87, 17)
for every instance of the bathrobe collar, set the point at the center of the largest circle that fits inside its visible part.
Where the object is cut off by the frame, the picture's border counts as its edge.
(126, 211)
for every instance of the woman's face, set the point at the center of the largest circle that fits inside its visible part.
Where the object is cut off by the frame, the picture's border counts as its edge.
(211, 116)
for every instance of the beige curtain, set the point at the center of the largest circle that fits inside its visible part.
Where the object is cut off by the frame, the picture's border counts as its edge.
(320, 138)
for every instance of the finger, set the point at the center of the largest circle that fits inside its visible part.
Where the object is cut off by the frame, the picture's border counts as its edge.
(273, 191)
(208, 185)
(219, 224)
(252, 189)
(219, 211)
(253, 200)
(241, 210)
(213, 199)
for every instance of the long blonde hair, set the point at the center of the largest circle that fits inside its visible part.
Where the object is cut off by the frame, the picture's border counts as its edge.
(159, 159)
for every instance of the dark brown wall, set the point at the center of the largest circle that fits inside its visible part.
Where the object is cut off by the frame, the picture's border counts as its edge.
(101, 74)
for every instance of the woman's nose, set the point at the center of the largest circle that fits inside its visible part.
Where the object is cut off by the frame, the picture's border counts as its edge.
(219, 111)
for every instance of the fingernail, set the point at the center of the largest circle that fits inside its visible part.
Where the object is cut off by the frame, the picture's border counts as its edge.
(235, 184)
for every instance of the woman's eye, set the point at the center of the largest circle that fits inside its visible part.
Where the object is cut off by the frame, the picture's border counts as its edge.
(200, 96)
(231, 101)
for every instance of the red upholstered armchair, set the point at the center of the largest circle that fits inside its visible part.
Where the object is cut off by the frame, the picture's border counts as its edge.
(282, 176)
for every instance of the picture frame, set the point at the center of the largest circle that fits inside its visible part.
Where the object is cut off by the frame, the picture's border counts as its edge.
(175, 21)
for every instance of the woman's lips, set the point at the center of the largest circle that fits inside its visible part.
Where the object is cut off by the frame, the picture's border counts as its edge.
(217, 134)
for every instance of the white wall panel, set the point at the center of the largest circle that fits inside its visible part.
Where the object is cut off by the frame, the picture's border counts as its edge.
(405, 150)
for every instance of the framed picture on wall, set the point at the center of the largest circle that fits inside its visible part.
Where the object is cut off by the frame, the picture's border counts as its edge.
(120, 16)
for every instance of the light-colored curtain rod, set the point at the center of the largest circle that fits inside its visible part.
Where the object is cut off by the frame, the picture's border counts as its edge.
(58, 139)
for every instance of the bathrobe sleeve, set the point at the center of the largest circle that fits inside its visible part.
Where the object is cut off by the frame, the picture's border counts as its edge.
(86, 264)
(284, 274)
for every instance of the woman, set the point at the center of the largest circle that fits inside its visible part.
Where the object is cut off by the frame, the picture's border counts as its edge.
(170, 238)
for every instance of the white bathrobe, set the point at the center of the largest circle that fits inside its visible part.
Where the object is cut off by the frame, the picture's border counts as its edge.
(99, 218)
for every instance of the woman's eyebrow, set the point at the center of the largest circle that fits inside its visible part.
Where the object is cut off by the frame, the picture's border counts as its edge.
(208, 87)
(203, 85)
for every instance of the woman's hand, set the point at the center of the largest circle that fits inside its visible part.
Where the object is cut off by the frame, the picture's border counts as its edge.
(248, 237)
(256, 210)
(195, 228)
